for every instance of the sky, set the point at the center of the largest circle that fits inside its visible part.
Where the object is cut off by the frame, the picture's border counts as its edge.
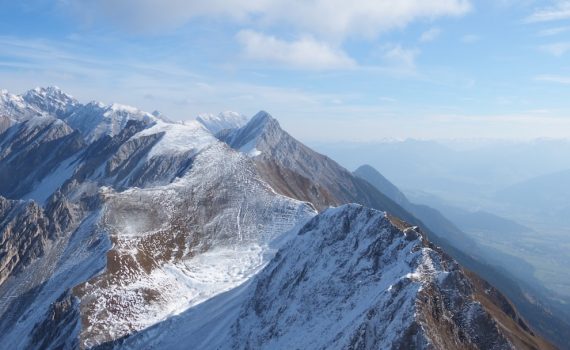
(328, 70)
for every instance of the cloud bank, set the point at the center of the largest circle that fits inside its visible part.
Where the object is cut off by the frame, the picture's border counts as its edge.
(323, 18)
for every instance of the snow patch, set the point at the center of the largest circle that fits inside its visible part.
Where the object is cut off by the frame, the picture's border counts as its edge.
(178, 138)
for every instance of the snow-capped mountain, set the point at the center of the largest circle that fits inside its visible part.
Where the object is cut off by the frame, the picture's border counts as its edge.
(118, 226)
(51, 100)
(224, 121)
(291, 167)
(96, 119)
(13, 108)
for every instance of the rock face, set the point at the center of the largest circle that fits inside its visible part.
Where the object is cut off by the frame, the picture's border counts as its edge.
(123, 227)
(25, 234)
(547, 315)
(28, 230)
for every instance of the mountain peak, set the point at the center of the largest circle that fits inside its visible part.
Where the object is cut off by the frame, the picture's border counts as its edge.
(375, 178)
(50, 92)
(263, 118)
(223, 121)
(14, 107)
(366, 167)
(255, 137)
(51, 100)
(6, 96)
(117, 107)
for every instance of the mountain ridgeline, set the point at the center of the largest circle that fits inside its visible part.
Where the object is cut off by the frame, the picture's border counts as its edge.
(122, 229)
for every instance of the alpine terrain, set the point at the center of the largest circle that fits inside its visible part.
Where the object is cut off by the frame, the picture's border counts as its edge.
(123, 229)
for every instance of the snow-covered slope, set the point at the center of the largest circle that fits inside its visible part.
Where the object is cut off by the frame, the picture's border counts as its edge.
(15, 108)
(223, 121)
(350, 279)
(354, 280)
(180, 244)
(96, 119)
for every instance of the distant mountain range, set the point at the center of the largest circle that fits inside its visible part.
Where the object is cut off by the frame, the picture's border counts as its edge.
(545, 196)
(122, 229)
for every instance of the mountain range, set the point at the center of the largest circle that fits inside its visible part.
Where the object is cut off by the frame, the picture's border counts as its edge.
(123, 229)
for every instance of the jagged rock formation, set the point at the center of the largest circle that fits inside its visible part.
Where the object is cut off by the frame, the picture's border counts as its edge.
(51, 100)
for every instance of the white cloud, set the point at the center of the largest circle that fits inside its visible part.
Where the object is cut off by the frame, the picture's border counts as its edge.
(164, 84)
(323, 18)
(430, 35)
(155, 16)
(556, 49)
(303, 53)
(559, 11)
(553, 78)
(321, 25)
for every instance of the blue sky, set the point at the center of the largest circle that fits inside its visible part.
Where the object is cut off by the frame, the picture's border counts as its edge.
(330, 71)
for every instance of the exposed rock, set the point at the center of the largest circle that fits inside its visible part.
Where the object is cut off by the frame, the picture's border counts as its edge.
(60, 327)
(25, 235)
